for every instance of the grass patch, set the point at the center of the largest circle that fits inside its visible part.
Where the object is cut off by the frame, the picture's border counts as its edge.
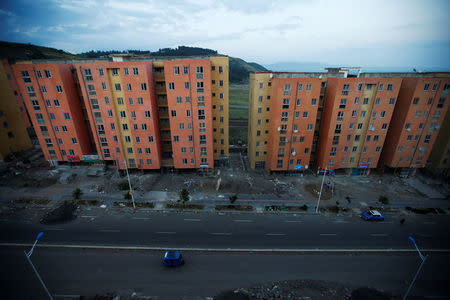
(422, 211)
(234, 207)
(238, 134)
(138, 204)
(39, 201)
(286, 208)
(238, 114)
(185, 206)
(89, 202)
(238, 94)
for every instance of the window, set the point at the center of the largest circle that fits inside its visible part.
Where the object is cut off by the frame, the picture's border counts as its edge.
(381, 86)
(305, 114)
(35, 105)
(44, 90)
(220, 69)
(357, 137)
(48, 74)
(115, 72)
(59, 89)
(64, 128)
(173, 113)
(377, 101)
(106, 100)
(202, 139)
(392, 101)
(120, 100)
(338, 128)
(427, 139)
(351, 125)
(66, 116)
(335, 140)
(366, 101)
(400, 149)
(297, 114)
(287, 89)
(362, 114)
(284, 116)
(25, 76)
(313, 101)
(200, 88)
(354, 113)
(30, 91)
(374, 115)
(100, 72)
(123, 114)
(441, 102)
(426, 87)
(435, 86)
(52, 116)
(201, 114)
(38, 74)
(200, 101)
(74, 141)
(343, 103)
(409, 138)
(340, 116)
(220, 82)
(354, 149)
(360, 125)
(49, 143)
(310, 127)
(171, 86)
(308, 87)
(144, 86)
(345, 89)
(285, 103)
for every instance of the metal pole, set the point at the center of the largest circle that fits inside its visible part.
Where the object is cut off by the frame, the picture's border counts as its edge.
(320, 194)
(129, 183)
(37, 274)
(412, 283)
(32, 248)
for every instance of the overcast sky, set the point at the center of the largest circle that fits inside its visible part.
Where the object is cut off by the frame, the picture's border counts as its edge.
(364, 33)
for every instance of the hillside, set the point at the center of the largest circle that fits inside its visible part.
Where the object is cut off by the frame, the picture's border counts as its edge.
(239, 69)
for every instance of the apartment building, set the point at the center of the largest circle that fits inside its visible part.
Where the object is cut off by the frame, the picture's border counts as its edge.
(13, 117)
(439, 159)
(356, 117)
(418, 115)
(133, 111)
(55, 109)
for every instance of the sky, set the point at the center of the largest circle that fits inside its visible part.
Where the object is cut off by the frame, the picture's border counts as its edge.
(378, 33)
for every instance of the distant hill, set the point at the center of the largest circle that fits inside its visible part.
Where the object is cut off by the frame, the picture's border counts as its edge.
(239, 69)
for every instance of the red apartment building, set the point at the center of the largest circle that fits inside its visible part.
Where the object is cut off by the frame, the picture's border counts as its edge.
(418, 115)
(54, 106)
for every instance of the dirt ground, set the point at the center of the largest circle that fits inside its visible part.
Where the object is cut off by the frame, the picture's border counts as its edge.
(23, 172)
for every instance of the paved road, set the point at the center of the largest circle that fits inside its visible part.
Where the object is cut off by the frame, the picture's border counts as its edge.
(86, 272)
(304, 231)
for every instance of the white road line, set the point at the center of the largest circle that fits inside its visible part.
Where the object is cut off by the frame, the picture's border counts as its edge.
(340, 221)
(109, 230)
(166, 232)
(275, 234)
(221, 233)
(138, 218)
(192, 220)
(429, 223)
(289, 221)
(88, 216)
(242, 220)
(67, 296)
(379, 234)
(328, 234)
(56, 229)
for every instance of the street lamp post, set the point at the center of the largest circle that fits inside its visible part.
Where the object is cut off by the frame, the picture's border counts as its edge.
(129, 183)
(320, 193)
(423, 258)
(27, 255)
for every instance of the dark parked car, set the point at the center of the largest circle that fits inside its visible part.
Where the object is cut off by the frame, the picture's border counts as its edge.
(372, 215)
(173, 259)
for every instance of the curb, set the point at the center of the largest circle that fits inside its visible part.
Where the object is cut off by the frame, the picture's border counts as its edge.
(235, 250)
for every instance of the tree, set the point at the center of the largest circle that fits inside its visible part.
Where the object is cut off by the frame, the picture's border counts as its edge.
(184, 195)
(233, 198)
(77, 193)
(127, 196)
(383, 199)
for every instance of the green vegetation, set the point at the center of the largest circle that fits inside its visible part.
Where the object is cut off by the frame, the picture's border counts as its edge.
(28, 51)
(127, 196)
(240, 70)
(185, 206)
(238, 94)
(238, 135)
(233, 198)
(138, 204)
(383, 199)
(123, 186)
(184, 195)
(304, 207)
(234, 207)
(77, 194)
(238, 114)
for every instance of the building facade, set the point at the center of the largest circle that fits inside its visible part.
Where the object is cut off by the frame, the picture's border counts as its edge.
(13, 117)
(139, 112)
(418, 116)
(439, 160)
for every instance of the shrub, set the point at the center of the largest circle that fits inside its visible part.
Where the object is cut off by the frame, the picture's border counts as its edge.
(184, 195)
(383, 199)
(233, 198)
(77, 193)
(127, 196)
(123, 186)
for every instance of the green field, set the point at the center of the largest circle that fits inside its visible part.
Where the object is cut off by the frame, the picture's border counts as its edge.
(238, 114)
(238, 134)
(238, 94)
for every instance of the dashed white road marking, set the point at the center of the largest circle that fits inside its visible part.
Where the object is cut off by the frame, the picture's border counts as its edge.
(141, 218)
(109, 230)
(166, 232)
(276, 234)
(221, 233)
(248, 221)
(328, 234)
(88, 216)
(292, 221)
(379, 234)
(192, 220)
(341, 221)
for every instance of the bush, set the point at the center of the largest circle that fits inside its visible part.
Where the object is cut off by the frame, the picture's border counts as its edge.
(383, 199)
(233, 198)
(184, 195)
(127, 196)
(77, 193)
(123, 186)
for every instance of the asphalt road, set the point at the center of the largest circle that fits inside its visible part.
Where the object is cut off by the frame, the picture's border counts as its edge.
(207, 230)
(87, 272)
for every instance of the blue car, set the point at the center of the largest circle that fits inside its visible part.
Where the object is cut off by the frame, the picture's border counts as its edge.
(372, 215)
(173, 259)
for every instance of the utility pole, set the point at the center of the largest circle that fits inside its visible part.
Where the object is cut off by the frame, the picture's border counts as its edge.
(423, 258)
(320, 193)
(129, 183)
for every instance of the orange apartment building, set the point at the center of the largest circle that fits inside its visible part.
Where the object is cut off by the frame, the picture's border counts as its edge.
(418, 116)
(356, 117)
(53, 104)
(293, 111)
(147, 112)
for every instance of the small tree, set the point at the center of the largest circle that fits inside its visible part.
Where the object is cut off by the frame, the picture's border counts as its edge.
(127, 196)
(123, 186)
(233, 198)
(184, 195)
(383, 199)
(77, 193)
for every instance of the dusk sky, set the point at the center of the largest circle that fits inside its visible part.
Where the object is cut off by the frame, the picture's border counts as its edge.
(376, 33)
